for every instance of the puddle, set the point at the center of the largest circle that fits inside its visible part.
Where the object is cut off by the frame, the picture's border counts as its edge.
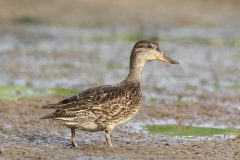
(176, 130)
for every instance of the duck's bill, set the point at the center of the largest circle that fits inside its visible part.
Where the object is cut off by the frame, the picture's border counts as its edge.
(162, 57)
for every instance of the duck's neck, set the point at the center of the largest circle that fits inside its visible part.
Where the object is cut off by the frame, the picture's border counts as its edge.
(135, 70)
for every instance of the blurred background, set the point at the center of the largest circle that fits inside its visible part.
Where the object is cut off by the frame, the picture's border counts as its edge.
(63, 43)
(50, 49)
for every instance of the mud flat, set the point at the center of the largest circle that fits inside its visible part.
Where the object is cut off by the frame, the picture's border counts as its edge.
(24, 136)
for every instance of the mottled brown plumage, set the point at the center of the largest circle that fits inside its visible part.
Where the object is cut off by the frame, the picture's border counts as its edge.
(104, 107)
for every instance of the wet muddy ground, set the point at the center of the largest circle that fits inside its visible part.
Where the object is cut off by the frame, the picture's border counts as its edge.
(24, 136)
(204, 90)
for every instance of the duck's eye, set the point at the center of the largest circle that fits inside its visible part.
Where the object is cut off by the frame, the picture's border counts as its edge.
(149, 46)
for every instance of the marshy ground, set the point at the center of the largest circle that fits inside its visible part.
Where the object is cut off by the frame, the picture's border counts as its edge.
(47, 53)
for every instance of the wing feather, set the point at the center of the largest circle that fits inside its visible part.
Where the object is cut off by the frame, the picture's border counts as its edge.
(94, 99)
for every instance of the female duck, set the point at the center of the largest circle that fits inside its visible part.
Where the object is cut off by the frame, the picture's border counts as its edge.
(103, 108)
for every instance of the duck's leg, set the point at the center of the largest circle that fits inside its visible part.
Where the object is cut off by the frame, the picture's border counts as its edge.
(108, 133)
(73, 138)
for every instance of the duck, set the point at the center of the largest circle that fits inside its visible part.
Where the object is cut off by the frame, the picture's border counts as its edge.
(102, 108)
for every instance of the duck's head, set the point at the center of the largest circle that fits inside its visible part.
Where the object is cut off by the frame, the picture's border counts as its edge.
(148, 51)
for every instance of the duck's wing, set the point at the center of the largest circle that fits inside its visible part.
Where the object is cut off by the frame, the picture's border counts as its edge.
(103, 99)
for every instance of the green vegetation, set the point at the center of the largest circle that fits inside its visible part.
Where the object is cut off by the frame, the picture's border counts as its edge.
(217, 85)
(28, 19)
(14, 92)
(233, 87)
(175, 130)
(187, 40)
(151, 100)
(128, 37)
(230, 87)
(182, 103)
(232, 42)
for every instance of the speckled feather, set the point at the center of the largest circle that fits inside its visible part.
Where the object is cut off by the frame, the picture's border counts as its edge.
(102, 108)
(105, 106)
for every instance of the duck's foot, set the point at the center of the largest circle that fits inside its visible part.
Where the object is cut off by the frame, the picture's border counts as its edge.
(73, 139)
(71, 146)
(74, 144)
(108, 137)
